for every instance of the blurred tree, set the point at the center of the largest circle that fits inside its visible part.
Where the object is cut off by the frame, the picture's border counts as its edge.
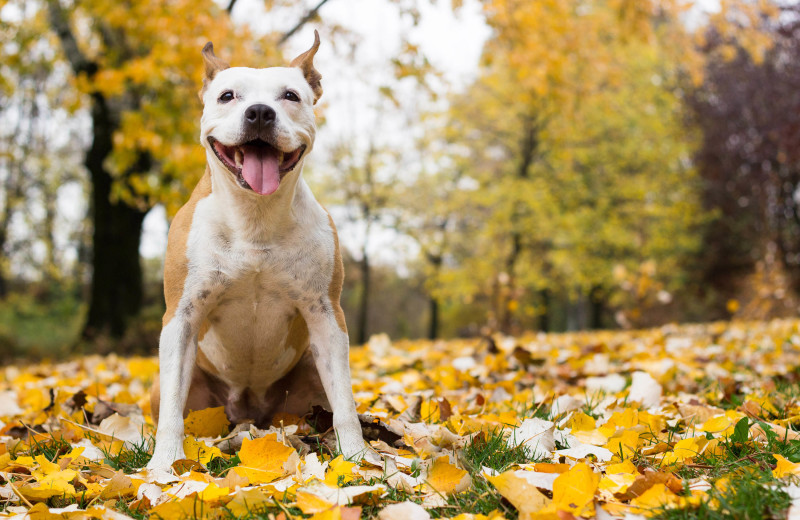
(431, 211)
(748, 108)
(35, 159)
(574, 135)
(362, 187)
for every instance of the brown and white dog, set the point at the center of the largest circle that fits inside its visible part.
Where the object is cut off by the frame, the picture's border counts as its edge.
(253, 273)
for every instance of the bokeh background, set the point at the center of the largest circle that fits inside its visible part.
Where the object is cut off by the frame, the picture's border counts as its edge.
(493, 165)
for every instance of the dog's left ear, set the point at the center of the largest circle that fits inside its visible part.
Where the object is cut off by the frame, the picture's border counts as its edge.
(305, 62)
(213, 65)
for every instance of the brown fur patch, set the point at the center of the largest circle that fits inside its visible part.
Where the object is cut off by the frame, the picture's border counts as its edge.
(305, 62)
(213, 64)
(175, 264)
(337, 280)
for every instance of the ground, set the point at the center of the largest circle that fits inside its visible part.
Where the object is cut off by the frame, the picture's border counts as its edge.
(693, 421)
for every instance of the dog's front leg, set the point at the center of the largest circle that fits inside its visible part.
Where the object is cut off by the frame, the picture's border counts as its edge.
(330, 348)
(176, 355)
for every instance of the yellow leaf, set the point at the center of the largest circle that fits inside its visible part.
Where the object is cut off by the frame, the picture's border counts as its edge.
(40, 511)
(199, 451)
(574, 490)
(213, 493)
(246, 500)
(316, 496)
(445, 478)
(581, 422)
(52, 485)
(339, 513)
(339, 468)
(684, 449)
(653, 500)
(623, 467)
(118, 487)
(522, 495)
(265, 459)
(785, 467)
(45, 467)
(627, 418)
(617, 482)
(211, 422)
(722, 424)
(176, 510)
(623, 444)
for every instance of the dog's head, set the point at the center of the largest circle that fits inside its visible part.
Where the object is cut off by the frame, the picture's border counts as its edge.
(258, 124)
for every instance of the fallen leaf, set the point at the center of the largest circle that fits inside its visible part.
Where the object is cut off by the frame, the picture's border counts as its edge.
(211, 422)
(445, 478)
(404, 511)
(537, 435)
(524, 496)
(316, 496)
(264, 460)
(574, 490)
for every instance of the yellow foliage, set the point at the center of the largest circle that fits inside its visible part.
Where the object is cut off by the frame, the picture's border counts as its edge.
(445, 478)
(210, 422)
(265, 459)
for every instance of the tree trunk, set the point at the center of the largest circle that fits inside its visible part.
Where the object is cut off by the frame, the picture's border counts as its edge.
(597, 304)
(507, 320)
(433, 326)
(116, 291)
(3, 281)
(544, 317)
(363, 306)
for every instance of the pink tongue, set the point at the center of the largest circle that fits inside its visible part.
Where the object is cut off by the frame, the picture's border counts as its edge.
(260, 168)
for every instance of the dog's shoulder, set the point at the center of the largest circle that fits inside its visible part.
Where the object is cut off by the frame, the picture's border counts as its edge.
(175, 264)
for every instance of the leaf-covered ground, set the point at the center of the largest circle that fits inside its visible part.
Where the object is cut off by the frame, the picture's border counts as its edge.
(678, 422)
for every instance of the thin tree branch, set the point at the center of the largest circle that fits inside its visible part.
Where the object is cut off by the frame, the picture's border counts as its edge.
(229, 9)
(309, 16)
(60, 24)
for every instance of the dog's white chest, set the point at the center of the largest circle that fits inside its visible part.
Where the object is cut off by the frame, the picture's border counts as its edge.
(254, 333)
(248, 338)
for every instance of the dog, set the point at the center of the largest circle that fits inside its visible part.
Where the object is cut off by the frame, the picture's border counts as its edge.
(253, 273)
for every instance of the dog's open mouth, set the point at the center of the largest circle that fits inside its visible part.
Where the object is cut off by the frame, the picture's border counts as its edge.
(257, 165)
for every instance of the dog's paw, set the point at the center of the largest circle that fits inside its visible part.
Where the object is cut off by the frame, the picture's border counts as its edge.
(163, 458)
(355, 449)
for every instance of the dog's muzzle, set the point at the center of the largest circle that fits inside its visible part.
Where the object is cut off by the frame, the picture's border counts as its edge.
(257, 165)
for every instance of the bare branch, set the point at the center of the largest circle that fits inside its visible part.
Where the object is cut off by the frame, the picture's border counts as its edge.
(308, 17)
(229, 9)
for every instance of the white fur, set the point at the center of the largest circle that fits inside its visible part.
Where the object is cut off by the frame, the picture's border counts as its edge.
(253, 262)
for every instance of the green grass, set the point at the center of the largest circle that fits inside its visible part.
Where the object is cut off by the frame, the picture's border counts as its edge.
(492, 451)
(219, 467)
(51, 448)
(750, 496)
(124, 508)
(131, 460)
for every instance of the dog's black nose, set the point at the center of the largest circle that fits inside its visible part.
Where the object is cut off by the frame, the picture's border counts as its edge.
(259, 114)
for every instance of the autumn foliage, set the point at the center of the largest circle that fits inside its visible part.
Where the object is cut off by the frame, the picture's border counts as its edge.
(589, 425)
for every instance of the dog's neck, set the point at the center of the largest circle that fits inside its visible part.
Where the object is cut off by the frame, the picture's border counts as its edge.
(259, 219)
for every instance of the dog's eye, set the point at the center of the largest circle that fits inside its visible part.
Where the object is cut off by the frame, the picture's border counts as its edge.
(226, 96)
(291, 96)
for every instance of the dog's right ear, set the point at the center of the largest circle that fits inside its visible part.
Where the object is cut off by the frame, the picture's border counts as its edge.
(213, 65)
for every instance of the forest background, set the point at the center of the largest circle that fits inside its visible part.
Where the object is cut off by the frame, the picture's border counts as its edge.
(605, 164)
